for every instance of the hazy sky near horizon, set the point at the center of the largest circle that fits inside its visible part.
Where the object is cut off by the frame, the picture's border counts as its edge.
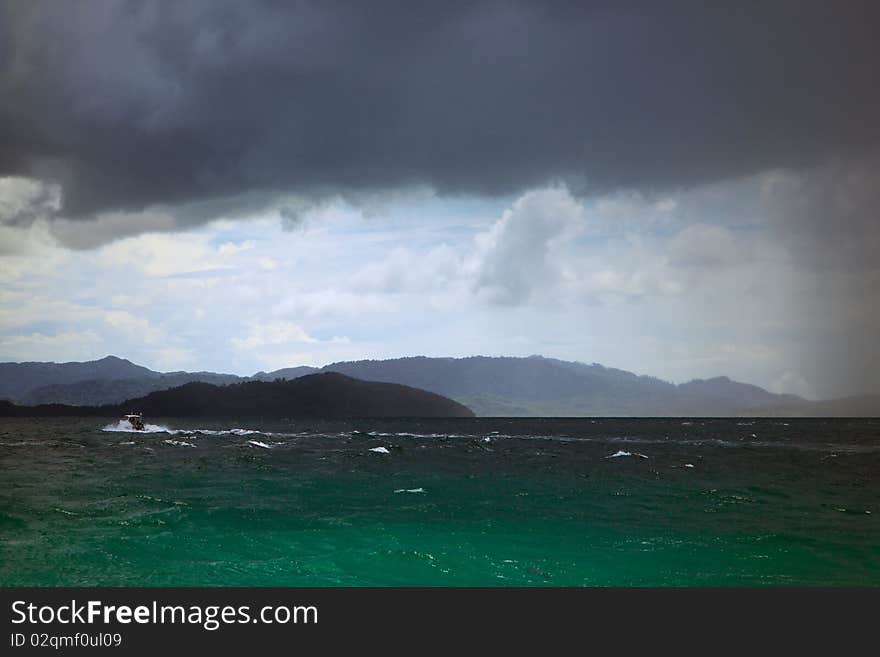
(680, 189)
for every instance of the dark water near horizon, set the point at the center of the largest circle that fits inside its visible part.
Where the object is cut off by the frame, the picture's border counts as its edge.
(473, 502)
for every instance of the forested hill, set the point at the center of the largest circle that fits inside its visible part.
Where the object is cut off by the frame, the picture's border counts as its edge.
(326, 395)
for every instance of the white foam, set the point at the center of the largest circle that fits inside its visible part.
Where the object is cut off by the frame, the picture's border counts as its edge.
(241, 432)
(379, 450)
(688, 465)
(620, 453)
(408, 434)
(226, 432)
(257, 443)
(125, 426)
(178, 443)
(410, 490)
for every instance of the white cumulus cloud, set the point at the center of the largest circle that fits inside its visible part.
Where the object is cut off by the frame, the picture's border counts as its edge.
(279, 333)
(516, 255)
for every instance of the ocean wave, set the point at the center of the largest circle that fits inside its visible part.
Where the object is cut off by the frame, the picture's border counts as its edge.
(407, 434)
(125, 427)
(229, 432)
(178, 443)
(748, 441)
(620, 453)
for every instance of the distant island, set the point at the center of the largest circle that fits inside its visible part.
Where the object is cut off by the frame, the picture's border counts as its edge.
(490, 386)
(325, 395)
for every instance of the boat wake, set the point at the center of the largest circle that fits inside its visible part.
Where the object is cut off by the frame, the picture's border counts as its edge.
(125, 426)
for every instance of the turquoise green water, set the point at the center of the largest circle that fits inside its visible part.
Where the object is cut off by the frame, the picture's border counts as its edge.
(474, 502)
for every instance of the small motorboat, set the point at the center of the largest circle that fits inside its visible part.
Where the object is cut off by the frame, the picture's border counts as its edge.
(136, 420)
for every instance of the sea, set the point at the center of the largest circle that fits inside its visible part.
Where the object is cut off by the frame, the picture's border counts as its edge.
(440, 502)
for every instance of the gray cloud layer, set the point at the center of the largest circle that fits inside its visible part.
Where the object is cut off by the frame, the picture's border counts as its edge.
(128, 105)
(148, 115)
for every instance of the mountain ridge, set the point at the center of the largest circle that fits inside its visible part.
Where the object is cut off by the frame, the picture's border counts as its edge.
(505, 385)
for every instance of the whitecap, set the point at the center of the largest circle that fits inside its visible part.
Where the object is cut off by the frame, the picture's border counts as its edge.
(257, 443)
(226, 432)
(379, 450)
(409, 434)
(410, 490)
(178, 443)
(620, 453)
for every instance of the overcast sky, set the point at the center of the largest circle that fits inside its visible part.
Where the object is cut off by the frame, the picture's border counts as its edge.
(681, 189)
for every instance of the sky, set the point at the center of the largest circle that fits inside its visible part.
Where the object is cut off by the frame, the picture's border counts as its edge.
(679, 189)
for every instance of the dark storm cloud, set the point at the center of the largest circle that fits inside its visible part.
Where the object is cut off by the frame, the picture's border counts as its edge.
(129, 105)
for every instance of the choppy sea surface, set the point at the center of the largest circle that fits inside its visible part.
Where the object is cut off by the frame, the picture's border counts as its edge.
(468, 502)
